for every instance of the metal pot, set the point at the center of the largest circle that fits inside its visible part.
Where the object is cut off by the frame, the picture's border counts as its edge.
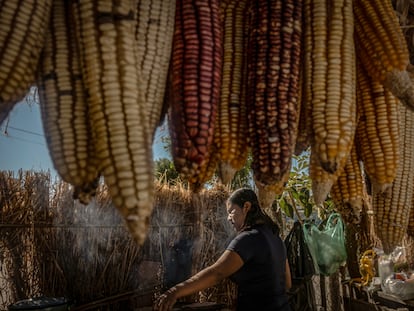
(41, 303)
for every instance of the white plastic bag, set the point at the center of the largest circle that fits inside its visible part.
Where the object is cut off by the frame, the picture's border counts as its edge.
(403, 289)
(397, 284)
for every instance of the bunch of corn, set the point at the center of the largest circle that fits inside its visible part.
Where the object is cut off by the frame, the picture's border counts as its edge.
(330, 81)
(22, 33)
(106, 36)
(377, 130)
(196, 68)
(391, 209)
(231, 126)
(382, 47)
(273, 53)
(64, 108)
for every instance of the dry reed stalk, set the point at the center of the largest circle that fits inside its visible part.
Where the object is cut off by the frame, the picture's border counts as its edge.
(20, 197)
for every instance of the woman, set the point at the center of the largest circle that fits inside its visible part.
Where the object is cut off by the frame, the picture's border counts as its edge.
(255, 260)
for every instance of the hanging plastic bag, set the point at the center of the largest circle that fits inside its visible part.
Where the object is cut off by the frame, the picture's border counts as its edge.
(300, 259)
(327, 243)
(302, 267)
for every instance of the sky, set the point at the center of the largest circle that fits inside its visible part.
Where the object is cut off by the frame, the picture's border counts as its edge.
(23, 145)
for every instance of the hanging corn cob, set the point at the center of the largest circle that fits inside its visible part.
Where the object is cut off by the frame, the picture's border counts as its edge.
(348, 192)
(207, 170)
(304, 133)
(154, 34)
(322, 181)
(410, 226)
(392, 208)
(63, 106)
(377, 130)
(351, 202)
(231, 126)
(267, 194)
(274, 47)
(118, 112)
(196, 66)
(332, 81)
(22, 33)
(382, 47)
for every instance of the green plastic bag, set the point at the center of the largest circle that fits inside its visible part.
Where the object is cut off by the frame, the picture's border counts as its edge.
(326, 244)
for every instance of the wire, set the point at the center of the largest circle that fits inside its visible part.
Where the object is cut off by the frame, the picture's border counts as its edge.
(6, 134)
(22, 139)
(25, 131)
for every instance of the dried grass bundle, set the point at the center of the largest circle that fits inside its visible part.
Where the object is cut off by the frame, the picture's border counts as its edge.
(54, 246)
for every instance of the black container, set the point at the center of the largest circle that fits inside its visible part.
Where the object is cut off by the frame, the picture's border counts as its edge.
(41, 303)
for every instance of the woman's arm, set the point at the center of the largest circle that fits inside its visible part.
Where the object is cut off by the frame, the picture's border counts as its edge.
(288, 276)
(228, 263)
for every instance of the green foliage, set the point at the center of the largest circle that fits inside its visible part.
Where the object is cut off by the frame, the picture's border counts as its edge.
(286, 207)
(298, 190)
(164, 170)
(297, 194)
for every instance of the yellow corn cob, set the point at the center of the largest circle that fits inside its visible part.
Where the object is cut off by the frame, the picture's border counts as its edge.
(382, 47)
(391, 209)
(377, 130)
(154, 34)
(118, 112)
(348, 192)
(410, 226)
(322, 181)
(63, 106)
(22, 33)
(273, 53)
(332, 81)
(231, 126)
(196, 67)
(266, 194)
(350, 198)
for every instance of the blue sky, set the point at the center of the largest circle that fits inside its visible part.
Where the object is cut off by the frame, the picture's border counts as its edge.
(23, 145)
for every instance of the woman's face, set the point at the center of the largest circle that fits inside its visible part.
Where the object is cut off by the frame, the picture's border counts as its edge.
(236, 215)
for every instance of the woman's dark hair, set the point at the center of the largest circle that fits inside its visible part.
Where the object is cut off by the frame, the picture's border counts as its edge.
(255, 215)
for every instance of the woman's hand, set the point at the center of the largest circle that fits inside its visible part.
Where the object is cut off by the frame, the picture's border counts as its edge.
(228, 263)
(166, 301)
